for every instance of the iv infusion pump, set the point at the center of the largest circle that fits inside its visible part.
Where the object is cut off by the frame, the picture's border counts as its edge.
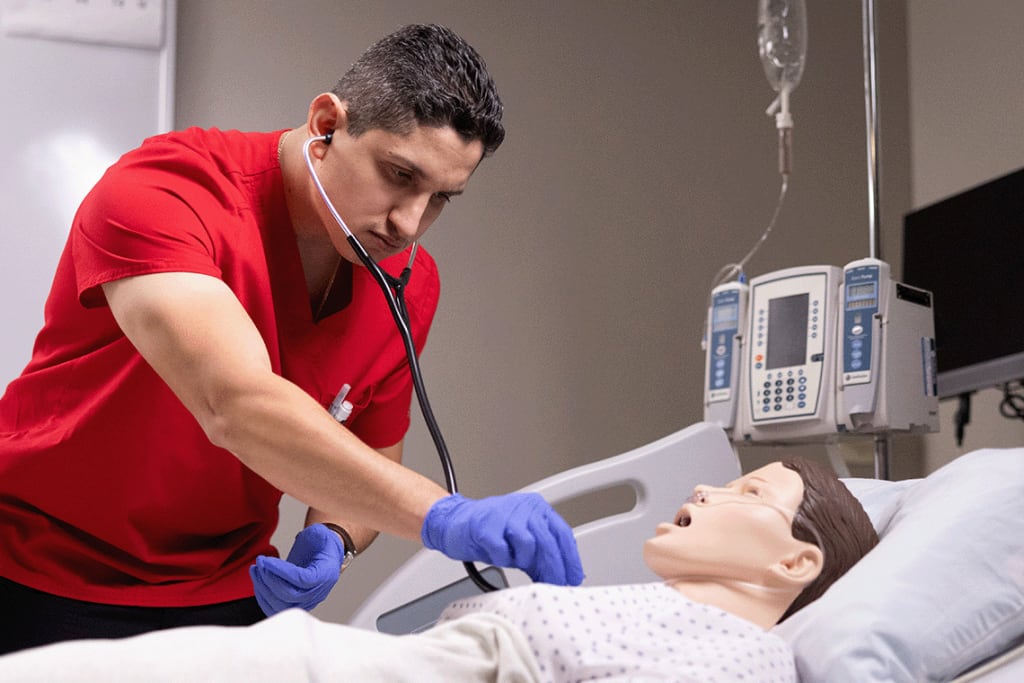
(818, 352)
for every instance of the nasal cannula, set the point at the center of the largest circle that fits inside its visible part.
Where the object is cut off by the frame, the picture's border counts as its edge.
(392, 289)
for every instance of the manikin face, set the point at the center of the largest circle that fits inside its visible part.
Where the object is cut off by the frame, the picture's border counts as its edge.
(389, 188)
(737, 531)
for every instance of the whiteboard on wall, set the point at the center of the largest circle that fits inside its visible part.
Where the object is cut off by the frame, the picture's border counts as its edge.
(82, 82)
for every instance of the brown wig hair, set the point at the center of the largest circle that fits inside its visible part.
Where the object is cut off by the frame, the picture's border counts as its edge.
(833, 519)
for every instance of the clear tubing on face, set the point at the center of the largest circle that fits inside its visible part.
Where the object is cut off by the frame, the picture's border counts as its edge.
(700, 499)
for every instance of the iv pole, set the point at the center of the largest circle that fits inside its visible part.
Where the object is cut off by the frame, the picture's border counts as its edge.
(882, 440)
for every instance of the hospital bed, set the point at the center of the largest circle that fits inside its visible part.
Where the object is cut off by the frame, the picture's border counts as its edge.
(940, 599)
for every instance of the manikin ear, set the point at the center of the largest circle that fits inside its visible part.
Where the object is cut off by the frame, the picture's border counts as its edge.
(799, 568)
(327, 114)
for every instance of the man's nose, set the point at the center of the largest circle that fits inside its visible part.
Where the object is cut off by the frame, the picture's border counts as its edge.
(407, 216)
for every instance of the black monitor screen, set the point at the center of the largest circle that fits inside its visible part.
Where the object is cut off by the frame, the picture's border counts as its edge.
(968, 250)
(787, 331)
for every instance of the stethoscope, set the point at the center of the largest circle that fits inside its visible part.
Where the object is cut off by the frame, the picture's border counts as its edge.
(393, 289)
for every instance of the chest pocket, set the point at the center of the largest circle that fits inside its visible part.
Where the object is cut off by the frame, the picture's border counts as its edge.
(359, 398)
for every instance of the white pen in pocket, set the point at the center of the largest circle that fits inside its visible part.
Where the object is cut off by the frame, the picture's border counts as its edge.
(340, 408)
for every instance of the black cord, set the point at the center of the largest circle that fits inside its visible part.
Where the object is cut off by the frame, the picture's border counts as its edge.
(396, 304)
(1012, 405)
(962, 416)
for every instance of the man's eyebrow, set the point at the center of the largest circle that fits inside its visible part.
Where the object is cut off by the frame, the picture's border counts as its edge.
(409, 164)
(418, 172)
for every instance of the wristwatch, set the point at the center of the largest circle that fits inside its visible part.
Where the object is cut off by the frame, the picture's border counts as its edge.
(346, 540)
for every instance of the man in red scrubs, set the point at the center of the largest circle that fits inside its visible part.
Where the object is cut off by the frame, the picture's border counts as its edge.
(205, 312)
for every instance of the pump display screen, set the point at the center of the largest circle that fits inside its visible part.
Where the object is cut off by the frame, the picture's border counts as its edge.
(861, 291)
(725, 317)
(787, 331)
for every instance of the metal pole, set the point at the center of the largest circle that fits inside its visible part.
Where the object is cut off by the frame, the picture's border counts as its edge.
(874, 222)
(871, 116)
(882, 456)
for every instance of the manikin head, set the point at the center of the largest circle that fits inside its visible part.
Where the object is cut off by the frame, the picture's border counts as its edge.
(764, 545)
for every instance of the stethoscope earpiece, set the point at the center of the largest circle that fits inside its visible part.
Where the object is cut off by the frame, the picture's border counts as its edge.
(328, 137)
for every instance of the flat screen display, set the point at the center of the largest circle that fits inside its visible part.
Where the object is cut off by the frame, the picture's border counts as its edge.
(787, 331)
(968, 250)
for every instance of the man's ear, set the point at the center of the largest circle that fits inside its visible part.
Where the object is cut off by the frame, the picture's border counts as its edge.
(799, 568)
(327, 114)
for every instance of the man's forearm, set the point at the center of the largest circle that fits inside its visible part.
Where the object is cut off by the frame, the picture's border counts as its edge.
(286, 437)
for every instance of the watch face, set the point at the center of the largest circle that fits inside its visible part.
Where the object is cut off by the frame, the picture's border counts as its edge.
(346, 543)
(347, 560)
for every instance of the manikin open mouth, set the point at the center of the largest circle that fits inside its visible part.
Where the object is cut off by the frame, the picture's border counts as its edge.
(683, 519)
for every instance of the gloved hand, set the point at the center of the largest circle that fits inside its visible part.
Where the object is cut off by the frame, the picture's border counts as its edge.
(305, 578)
(518, 530)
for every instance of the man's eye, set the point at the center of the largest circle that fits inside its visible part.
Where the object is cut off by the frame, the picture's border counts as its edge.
(397, 174)
(443, 197)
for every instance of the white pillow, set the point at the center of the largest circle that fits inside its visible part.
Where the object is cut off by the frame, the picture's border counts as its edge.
(881, 499)
(943, 591)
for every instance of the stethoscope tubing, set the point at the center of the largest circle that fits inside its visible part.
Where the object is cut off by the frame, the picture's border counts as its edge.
(393, 288)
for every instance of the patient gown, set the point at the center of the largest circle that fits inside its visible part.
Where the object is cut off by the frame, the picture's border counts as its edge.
(531, 634)
(636, 632)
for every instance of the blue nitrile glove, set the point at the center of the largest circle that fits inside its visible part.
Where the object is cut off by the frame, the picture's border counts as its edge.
(518, 530)
(305, 578)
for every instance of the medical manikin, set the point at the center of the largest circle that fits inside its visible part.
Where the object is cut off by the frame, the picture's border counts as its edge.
(735, 560)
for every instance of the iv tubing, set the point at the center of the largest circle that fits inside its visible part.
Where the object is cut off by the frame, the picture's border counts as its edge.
(731, 270)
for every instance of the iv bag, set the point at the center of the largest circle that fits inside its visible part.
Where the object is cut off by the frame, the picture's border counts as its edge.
(782, 41)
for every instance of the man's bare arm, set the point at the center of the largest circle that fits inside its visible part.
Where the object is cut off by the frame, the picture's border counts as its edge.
(195, 334)
(361, 535)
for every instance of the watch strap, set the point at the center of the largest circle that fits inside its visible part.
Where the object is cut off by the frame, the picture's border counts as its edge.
(346, 540)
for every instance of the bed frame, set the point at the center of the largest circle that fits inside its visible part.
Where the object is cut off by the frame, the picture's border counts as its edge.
(662, 474)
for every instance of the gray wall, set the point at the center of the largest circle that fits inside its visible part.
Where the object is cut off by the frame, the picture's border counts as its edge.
(638, 161)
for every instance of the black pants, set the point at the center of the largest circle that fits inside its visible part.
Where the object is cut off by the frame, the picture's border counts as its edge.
(29, 618)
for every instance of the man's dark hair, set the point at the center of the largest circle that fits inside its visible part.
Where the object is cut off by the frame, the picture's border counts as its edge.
(833, 519)
(423, 74)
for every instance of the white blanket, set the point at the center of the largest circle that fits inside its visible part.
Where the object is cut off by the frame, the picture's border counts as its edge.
(291, 646)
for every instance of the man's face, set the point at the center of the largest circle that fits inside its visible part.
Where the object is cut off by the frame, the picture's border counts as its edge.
(389, 188)
(735, 531)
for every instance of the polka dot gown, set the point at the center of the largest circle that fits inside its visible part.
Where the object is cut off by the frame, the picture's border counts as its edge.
(640, 632)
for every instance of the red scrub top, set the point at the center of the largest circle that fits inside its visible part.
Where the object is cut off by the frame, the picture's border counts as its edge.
(109, 490)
